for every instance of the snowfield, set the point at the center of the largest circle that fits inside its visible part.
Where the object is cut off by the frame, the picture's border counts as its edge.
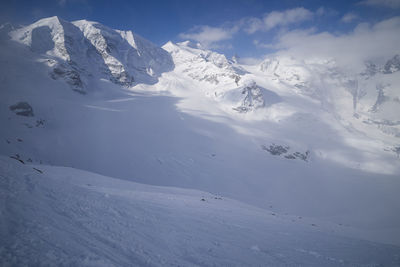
(66, 217)
(116, 152)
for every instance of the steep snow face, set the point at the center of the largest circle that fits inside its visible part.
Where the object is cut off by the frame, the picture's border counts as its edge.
(201, 64)
(128, 56)
(365, 98)
(44, 36)
(83, 51)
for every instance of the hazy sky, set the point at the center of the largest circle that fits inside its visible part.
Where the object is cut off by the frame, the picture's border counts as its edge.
(250, 28)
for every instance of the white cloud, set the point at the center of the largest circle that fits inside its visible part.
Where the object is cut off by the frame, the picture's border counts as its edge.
(259, 44)
(320, 11)
(252, 25)
(278, 18)
(209, 36)
(326, 12)
(351, 50)
(349, 17)
(382, 3)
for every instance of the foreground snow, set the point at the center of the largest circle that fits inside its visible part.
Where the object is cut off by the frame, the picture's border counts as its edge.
(65, 216)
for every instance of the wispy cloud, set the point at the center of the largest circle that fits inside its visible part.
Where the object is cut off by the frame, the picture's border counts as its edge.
(351, 50)
(278, 18)
(62, 2)
(349, 17)
(209, 36)
(381, 3)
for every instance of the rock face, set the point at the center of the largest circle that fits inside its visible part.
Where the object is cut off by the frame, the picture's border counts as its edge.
(392, 65)
(22, 109)
(82, 50)
(249, 97)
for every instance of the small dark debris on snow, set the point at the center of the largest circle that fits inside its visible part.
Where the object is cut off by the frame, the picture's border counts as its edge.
(22, 109)
(19, 140)
(40, 122)
(273, 214)
(39, 171)
(313, 224)
(203, 199)
(17, 157)
(8, 142)
(290, 156)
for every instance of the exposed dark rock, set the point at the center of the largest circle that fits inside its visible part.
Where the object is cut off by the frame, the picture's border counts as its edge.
(279, 150)
(39, 171)
(276, 150)
(22, 109)
(392, 65)
(253, 98)
(302, 156)
(70, 75)
(396, 150)
(17, 157)
(290, 156)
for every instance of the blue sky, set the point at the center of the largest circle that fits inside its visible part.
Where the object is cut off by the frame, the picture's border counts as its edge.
(245, 27)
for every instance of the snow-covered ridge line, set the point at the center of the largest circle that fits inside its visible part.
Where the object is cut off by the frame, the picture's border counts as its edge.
(83, 50)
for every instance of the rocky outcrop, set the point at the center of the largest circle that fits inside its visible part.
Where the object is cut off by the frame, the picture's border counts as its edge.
(22, 109)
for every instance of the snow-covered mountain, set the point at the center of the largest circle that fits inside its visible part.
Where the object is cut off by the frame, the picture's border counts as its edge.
(285, 150)
(81, 50)
(219, 78)
(367, 97)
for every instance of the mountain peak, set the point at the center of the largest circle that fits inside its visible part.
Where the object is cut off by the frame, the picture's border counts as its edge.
(84, 49)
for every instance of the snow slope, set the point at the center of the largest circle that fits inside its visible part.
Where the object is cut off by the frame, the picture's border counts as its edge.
(190, 118)
(64, 216)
